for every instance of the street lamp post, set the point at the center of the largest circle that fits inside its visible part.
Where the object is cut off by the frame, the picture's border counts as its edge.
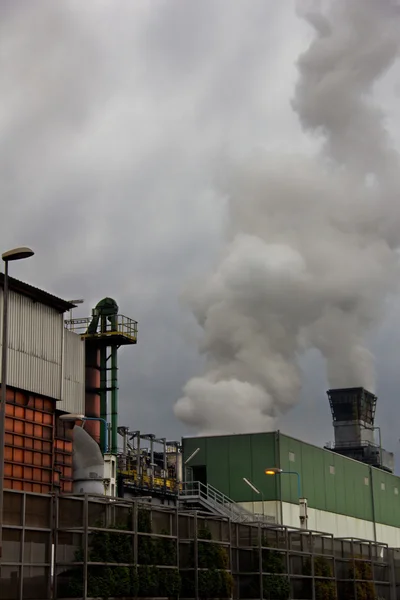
(10, 255)
(275, 471)
(302, 501)
(72, 417)
(257, 491)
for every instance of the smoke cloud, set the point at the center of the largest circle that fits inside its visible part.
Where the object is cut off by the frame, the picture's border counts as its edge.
(311, 243)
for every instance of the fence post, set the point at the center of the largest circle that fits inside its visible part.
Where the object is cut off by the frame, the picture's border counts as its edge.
(85, 545)
(196, 559)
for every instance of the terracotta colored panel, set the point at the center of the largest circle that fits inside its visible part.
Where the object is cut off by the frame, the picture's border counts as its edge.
(18, 472)
(68, 472)
(47, 419)
(47, 433)
(49, 405)
(28, 429)
(36, 475)
(29, 443)
(46, 476)
(8, 455)
(37, 459)
(29, 414)
(7, 470)
(37, 444)
(10, 409)
(28, 457)
(38, 417)
(46, 460)
(20, 456)
(10, 394)
(37, 431)
(19, 412)
(21, 398)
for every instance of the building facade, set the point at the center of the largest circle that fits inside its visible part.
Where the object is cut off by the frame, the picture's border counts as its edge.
(45, 377)
(345, 498)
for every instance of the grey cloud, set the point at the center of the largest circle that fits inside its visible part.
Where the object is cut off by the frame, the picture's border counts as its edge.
(116, 119)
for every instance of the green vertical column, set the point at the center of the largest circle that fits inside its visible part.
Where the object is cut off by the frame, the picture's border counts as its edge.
(103, 388)
(114, 401)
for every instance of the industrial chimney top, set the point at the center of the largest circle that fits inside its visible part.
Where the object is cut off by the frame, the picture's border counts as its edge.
(352, 404)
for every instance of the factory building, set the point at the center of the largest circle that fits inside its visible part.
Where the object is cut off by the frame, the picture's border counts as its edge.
(46, 376)
(343, 496)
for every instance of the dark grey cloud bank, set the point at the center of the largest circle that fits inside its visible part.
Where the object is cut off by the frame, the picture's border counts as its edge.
(117, 119)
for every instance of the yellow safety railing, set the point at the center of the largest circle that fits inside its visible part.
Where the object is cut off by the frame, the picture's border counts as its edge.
(151, 482)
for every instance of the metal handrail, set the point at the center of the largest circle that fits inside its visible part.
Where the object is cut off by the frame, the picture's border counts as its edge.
(123, 326)
(207, 492)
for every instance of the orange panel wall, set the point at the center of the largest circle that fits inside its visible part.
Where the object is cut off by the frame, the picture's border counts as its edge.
(63, 455)
(32, 458)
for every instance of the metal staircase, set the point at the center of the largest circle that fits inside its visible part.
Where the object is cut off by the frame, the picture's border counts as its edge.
(197, 496)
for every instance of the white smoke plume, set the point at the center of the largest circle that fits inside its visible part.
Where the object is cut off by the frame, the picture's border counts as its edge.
(311, 250)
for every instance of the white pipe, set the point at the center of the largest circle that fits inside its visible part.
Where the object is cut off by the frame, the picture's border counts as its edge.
(62, 370)
(88, 464)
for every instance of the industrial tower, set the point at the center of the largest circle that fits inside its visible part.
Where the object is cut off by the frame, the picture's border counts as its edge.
(104, 333)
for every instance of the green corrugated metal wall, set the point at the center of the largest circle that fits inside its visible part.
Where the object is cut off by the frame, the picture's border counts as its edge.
(342, 491)
(230, 458)
(330, 482)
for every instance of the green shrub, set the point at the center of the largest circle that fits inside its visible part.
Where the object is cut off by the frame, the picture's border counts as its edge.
(114, 546)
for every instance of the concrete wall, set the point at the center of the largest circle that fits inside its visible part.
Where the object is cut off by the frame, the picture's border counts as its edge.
(341, 526)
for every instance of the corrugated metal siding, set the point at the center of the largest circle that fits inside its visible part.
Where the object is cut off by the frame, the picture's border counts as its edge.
(35, 337)
(346, 489)
(230, 458)
(73, 400)
(386, 488)
(332, 484)
(35, 354)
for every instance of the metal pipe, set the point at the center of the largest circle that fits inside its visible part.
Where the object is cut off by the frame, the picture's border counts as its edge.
(165, 466)
(103, 394)
(3, 400)
(371, 478)
(138, 466)
(114, 401)
(104, 436)
(62, 371)
(152, 460)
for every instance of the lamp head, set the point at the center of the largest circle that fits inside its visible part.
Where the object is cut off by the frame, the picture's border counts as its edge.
(17, 254)
(273, 471)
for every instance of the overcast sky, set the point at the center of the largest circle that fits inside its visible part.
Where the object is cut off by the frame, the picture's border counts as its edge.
(116, 117)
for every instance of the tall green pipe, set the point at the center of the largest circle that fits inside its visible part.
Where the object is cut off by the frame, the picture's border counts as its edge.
(114, 401)
(103, 396)
(103, 386)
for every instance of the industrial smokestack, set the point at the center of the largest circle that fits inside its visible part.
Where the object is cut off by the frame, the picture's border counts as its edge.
(311, 244)
(353, 413)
